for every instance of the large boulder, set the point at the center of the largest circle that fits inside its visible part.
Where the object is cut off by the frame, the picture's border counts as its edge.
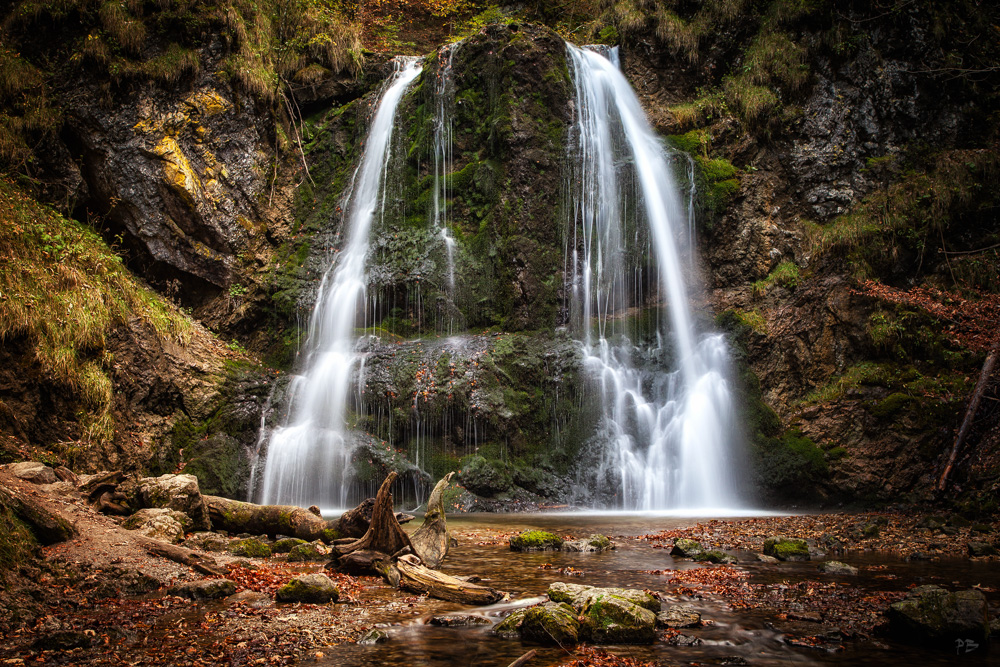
(786, 548)
(160, 524)
(610, 619)
(34, 472)
(931, 614)
(577, 595)
(551, 623)
(176, 492)
(309, 588)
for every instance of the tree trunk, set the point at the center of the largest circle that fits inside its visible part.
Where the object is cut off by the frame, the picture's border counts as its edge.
(431, 541)
(238, 517)
(47, 526)
(363, 562)
(970, 412)
(354, 523)
(415, 577)
(384, 533)
(182, 555)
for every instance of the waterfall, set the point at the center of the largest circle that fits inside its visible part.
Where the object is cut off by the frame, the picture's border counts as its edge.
(309, 457)
(444, 95)
(666, 434)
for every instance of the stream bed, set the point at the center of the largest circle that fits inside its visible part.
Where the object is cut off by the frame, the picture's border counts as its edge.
(731, 635)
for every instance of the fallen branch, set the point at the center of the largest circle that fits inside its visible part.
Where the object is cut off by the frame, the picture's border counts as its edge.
(182, 555)
(970, 412)
(524, 659)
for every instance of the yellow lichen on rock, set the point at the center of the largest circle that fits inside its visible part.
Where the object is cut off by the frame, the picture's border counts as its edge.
(207, 102)
(177, 170)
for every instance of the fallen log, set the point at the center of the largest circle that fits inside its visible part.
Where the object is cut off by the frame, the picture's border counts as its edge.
(235, 516)
(182, 555)
(415, 577)
(47, 526)
(384, 532)
(431, 540)
(524, 659)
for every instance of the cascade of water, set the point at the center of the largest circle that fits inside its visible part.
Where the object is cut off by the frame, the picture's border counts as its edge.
(309, 458)
(444, 94)
(667, 435)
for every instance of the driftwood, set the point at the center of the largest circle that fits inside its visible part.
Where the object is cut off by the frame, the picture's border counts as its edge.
(235, 516)
(524, 659)
(47, 526)
(101, 483)
(354, 523)
(384, 532)
(415, 577)
(970, 412)
(361, 563)
(431, 540)
(182, 555)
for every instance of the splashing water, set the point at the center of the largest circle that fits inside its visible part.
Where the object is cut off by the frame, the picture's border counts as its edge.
(668, 436)
(309, 458)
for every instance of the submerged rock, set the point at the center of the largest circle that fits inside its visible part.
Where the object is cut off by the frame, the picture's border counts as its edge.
(459, 620)
(551, 623)
(535, 540)
(311, 588)
(593, 544)
(786, 548)
(764, 558)
(931, 614)
(610, 619)
(686, 548)
(374, 636)
(836, 567)
(204, 589)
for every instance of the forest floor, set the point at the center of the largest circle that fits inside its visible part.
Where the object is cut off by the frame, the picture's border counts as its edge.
(102, 599)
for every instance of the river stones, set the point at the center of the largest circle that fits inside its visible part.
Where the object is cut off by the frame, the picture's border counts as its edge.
(311, 588)
(715, 556)
(610, 619)
(510, 627)
(204, 589)
(459, 620)
(931, 614)
(686, 548)
(593, 544)
(176, 492)
(207, 541)
(551, 623)
(577, 595)
(309, 551)
(373, 637)
(286, 544)
(250, 547)
(159, 524)
(786, 548)
(535, 540)
(980, 549)
(679, 616)
(836, 567)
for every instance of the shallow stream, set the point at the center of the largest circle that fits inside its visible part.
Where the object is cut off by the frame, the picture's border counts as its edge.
(733, 636)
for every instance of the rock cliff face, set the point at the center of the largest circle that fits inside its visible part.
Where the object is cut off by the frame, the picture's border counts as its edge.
(842, 154)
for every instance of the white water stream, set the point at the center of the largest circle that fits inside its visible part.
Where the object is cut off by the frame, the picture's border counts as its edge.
(669, 436)
(309, 458)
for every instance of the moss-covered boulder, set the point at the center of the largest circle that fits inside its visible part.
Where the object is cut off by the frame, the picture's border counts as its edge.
(610, 619)
(309, 588)
(205, 589)
(932, 615)
(686, 548)
(715, 556)
(286, 544)
(577, 595)
(250, 547)
(510, 627)
(307, 552)
(593, 544)
(535, 540)
(551, 623)
(786, 548)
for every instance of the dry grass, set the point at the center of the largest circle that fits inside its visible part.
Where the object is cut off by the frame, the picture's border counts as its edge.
(127, 31)
(63, 289)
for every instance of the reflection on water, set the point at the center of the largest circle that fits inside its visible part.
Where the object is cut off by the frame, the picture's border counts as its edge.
(751, 635)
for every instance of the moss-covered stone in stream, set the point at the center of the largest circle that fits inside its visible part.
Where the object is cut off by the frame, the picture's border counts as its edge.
(786, 548)
(535, 540)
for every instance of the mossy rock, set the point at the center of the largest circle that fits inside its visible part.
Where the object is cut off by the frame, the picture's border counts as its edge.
(306, 552)
(251, 547)
(205, 589)
(309, 588)
(551, 623)
(535, 540)
(686, 548)
(593, 544)
(932, 615)
(715, 556)
(285, 545)
(577, 595)
(786, 548)
(510, 627)
(610, 619)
